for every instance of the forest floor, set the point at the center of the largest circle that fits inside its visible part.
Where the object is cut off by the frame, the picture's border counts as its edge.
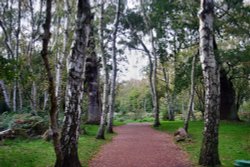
(138, 145)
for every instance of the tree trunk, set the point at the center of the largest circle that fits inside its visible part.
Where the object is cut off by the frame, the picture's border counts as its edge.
(5, 94)
(209, 155)
(92, 82)
(168, 99)
(155, 97)
(53, 109)
(20, 96)
(114, 70)
(14, 96)
(153, 69)
(45, 100)
(101, 130)
(75, 88)
(228, 109)
(33, 98)
(171, 99)
(34, 33)
(62, 56)
(17, 86)
(191, 100)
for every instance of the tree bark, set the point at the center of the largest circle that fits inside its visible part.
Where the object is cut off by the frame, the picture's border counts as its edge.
(45, 100)
(75, 88)
(191, 100)
(53, 100)
(5, 94)
(168, 98)
(101, 130)
(114, 70)
(209, 155)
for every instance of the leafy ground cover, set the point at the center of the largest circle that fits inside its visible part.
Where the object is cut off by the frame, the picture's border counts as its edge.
(234, 140)
(39, 153)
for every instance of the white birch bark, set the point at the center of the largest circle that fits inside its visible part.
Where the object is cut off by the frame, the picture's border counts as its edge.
(5, 93)
(114, 70)
(191, 100)
(75, 88)
(45, 100)
(101, 130)
(209, 155)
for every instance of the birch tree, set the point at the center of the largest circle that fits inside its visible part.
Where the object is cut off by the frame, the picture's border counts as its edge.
(63, 55)
(153, 63)
(5, 93)
(114, 69)
(74, 89)
(191, 100)
(101, 130)
(209, 155)
(35, 25)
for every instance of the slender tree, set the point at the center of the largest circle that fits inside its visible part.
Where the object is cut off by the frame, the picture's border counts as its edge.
(153, 64)
(5, 93)
(74, 89)
(209, 155)
(53, 100)
(63, 55)
(191, 100)
(114, 69)
(101, 130)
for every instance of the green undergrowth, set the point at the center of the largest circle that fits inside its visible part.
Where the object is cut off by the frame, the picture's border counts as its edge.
(234, 140)
(39, 153)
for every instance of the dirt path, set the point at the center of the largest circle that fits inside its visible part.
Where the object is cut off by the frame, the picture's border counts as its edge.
(138, 145)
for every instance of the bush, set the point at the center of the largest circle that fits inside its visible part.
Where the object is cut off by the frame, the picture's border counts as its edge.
(245, 116)
(24, 125)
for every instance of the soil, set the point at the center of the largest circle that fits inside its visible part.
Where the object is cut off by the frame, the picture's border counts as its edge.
(138, 145)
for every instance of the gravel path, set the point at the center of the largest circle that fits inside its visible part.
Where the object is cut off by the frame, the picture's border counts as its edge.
(138, 145)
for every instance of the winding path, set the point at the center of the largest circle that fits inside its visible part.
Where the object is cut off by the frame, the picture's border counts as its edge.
(138, 145)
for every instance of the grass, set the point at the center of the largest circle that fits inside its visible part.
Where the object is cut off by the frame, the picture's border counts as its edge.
(234, 140)
(39, 153)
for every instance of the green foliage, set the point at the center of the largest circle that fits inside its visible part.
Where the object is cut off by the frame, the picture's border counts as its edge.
(233, 140)
(133, 19)
(7, 69)
(133, 96)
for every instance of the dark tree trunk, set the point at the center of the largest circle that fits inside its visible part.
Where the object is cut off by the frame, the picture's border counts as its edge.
(53, 100)
(92, 83)
(228, 108)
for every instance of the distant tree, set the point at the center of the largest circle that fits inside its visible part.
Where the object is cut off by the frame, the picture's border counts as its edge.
(92, 82)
